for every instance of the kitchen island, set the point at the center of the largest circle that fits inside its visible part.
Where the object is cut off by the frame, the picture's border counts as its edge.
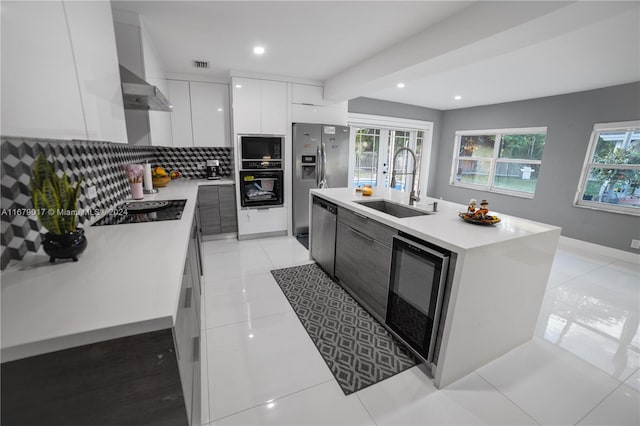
(121, 305)
(496, 280)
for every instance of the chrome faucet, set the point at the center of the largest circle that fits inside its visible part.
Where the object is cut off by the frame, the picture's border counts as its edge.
(413, 196)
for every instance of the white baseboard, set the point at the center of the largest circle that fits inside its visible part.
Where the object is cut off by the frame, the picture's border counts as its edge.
(262, 235)
(603, 250)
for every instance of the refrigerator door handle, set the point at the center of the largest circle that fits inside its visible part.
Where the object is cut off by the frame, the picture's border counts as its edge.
(323, 159)
(318, 166)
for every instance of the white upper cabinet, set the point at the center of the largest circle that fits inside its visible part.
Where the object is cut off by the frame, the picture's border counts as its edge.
(55, 82)
(210, 114)
(246, 105)
(273, 107)
(320, 114)
(93, 42)
(259, 106)
(181, 114)
(155, 74)
(309, 106)
(40, 96)
(200, 114)
(306, 94)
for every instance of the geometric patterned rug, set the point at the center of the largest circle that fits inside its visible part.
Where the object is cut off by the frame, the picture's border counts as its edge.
(358, 350)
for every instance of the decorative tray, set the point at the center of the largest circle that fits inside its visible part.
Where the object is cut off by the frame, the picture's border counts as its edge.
(488, 220)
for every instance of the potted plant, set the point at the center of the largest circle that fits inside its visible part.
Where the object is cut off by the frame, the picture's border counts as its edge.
(55, 201)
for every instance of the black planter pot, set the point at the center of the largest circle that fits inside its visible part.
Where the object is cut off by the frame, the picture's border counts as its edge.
(64, 246)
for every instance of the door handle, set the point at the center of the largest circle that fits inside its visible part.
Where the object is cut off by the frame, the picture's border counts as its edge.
(361, 235)
(361, 216)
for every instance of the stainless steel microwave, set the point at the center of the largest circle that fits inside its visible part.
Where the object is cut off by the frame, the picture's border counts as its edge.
(261, 152)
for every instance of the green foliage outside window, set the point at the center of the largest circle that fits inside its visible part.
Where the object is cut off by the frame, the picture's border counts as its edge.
(527, 147)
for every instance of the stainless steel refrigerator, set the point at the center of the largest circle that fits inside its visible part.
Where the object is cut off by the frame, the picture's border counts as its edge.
(320, 160)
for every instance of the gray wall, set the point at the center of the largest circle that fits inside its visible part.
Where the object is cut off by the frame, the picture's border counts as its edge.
(398, 110)
(569, 120)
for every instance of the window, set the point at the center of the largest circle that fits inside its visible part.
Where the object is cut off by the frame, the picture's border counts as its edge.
(374, 141)
(505, 161)
(611, 173)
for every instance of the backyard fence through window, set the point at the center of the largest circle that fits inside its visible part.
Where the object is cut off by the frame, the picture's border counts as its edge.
(504, 160)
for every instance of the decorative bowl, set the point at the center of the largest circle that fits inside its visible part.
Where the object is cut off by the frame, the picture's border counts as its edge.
(489, 220)
(160, 182)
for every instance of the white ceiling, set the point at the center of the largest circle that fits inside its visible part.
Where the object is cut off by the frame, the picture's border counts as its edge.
(603, 54)
(305, 39)
(488, 52)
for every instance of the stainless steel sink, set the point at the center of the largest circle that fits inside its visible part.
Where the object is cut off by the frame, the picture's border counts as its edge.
(393, 209)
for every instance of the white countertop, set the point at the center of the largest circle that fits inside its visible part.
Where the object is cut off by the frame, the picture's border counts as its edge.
(444, 227)
(126, 282)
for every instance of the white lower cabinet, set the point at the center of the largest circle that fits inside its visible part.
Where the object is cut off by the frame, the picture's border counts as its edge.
(253, 222)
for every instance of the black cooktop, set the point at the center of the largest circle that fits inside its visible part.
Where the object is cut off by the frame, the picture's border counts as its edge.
(143, 211)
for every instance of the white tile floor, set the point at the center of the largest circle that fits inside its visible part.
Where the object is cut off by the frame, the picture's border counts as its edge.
(582, 367)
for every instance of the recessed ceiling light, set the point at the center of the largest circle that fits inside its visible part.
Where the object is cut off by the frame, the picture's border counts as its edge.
(258, 50)
(238, 86)
(457, 97)
(219, 109)
(400, 85)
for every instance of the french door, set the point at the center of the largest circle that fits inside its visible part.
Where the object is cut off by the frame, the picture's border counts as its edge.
(373, 150)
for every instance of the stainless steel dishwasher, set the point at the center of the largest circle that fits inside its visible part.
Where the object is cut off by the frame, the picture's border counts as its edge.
(323, 234)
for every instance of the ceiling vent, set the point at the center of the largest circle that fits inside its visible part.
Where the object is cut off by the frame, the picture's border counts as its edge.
(201, 65)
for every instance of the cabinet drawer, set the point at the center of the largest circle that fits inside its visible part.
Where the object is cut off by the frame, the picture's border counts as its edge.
(208, 196)
(363, 266)
(369, 227)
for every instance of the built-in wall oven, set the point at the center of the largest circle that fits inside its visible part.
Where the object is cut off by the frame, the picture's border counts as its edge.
(416, 291)
(261, 174)
(261, 188)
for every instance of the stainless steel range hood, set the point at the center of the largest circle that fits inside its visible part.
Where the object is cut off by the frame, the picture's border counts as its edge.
(140, 95)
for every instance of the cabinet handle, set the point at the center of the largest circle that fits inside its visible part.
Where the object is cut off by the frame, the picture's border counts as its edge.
(361, 216)
(187, 297)
(361, 235)
(196, 349)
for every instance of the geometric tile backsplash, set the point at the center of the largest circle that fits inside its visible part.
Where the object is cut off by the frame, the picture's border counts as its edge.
(100, 164)
(187, 159)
